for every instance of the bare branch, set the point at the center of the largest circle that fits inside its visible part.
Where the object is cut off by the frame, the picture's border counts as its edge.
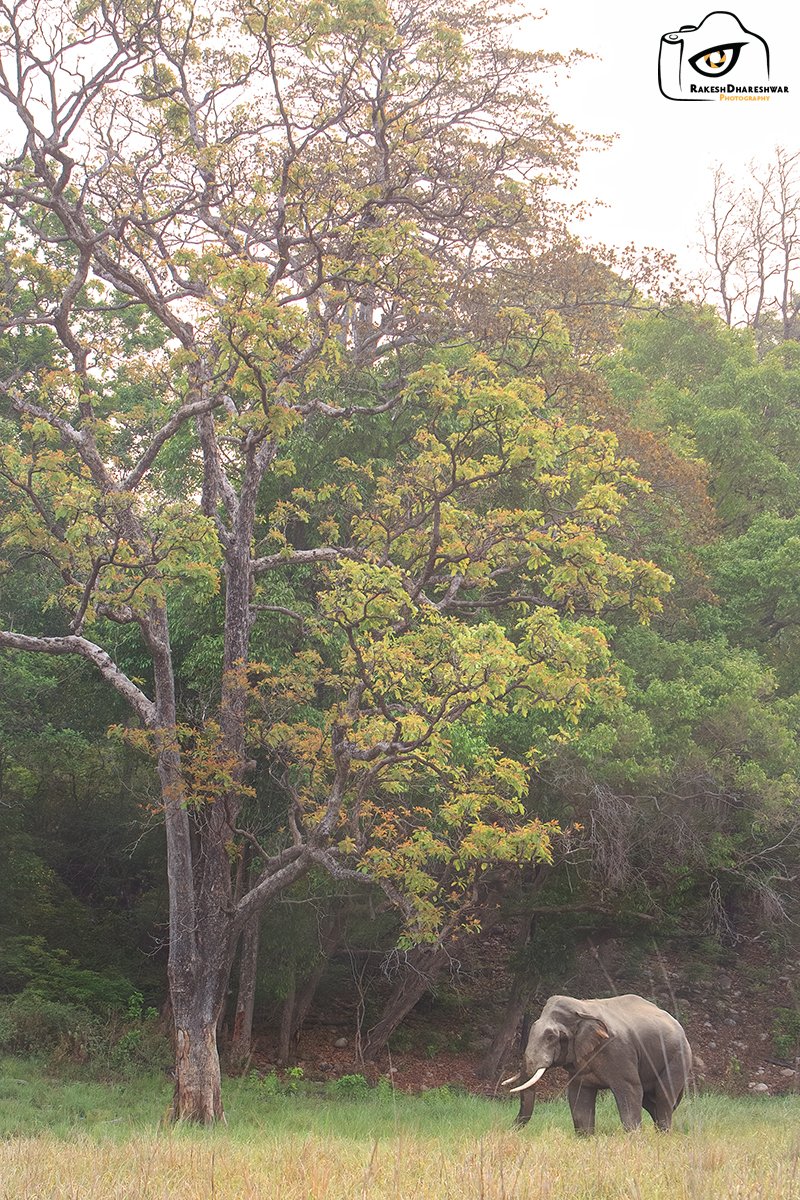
(296, 558)
(139, 702)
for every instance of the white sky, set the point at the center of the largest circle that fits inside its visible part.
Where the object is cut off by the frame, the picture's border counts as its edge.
(656, 179)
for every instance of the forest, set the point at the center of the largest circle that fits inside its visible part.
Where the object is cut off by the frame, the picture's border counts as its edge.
(388, 577)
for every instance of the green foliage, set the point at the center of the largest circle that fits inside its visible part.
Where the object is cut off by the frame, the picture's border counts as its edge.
(273, 1084)
(489, 494)
(66, 1034)
(688, 376)
(687, 784)
(349, 1087)
(266, 1085)
(51, 974)
(33, 1024)
(786, 1033)
(703, 707)
(757, 579)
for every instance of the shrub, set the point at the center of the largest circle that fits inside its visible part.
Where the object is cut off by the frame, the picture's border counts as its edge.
(272, 1085)
(33, 1023)
(265, 1085)
(353, 1086)
(436, 1095)
(30, 965)
(786, 1032)
(139, 1043)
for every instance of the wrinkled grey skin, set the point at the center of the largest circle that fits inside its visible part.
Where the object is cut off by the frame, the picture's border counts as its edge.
(624, 1043)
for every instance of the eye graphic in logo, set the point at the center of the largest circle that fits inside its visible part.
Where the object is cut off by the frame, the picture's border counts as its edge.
(716, 62)
(719, 46)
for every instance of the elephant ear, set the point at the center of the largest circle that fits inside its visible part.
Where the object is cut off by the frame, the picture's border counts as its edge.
(600, 1027)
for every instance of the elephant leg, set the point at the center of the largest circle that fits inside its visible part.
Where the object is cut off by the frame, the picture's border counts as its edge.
(582, 1101)
(659, 1108)
(672, 1081)
(668, 1093)
(666, 1100)
(629, 1097)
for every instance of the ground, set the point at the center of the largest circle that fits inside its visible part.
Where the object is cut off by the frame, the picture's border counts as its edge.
(737, 1007)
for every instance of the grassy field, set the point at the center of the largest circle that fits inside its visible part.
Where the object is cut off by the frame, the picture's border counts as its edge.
(77, 1140)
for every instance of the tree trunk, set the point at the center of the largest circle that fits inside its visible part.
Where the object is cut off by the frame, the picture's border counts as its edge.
(200, 926)
(299, 1000)
(489, 1065)
(421, 968)
(198, 1095)
(295, 1010)
(304, 998)
(203, 929)
(241, 1040)
(287, 1028)
(197, 999)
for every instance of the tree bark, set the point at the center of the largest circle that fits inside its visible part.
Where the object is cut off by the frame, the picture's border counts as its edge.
(198, 1093)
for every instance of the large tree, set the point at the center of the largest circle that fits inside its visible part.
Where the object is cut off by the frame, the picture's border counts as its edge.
(230, 230)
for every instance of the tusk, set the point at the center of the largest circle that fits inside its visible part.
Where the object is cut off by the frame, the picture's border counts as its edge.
(511, 1079)
(533, 1079)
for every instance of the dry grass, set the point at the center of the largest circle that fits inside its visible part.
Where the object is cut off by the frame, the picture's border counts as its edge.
(496, 1167)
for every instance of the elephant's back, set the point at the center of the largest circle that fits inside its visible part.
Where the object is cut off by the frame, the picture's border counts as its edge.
(631, 1008)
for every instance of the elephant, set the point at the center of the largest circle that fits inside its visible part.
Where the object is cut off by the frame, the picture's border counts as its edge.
(623, 1043)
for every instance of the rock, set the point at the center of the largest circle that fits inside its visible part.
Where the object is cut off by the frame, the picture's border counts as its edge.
(341, 1043)
(758, 1087)
(788, 1072)
(325, 1066)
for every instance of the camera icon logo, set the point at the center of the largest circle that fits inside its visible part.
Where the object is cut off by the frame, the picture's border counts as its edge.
(691, 60)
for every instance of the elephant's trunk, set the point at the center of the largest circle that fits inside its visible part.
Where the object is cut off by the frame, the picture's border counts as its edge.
(526, 1102)
(534, 1079)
